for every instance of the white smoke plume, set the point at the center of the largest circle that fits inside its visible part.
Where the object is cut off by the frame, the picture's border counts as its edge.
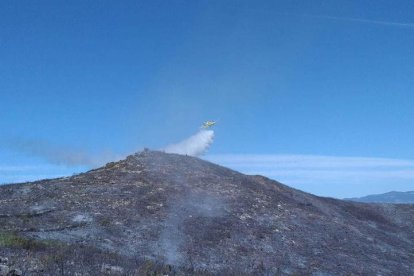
(195, 145)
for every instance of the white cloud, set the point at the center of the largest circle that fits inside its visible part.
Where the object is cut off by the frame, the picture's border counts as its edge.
(28, 178)
(326, 175)
(19, 168)
(308, 161)
(25, 173)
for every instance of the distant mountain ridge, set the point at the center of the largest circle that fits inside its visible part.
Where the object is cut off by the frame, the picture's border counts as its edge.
(390, 197)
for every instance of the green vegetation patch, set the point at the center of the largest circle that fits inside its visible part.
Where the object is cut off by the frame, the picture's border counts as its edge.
(12, 240)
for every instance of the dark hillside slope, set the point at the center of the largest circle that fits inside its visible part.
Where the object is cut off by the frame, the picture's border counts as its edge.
(152, 210)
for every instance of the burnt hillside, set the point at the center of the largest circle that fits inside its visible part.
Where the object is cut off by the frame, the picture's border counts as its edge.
(168, 213)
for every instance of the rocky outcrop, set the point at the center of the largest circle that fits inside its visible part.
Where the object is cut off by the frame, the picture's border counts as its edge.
(6, 270)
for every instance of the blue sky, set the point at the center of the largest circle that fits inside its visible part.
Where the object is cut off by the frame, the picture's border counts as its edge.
(284, 78)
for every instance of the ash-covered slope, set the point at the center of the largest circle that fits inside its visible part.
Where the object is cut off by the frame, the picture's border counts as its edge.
(156, 209)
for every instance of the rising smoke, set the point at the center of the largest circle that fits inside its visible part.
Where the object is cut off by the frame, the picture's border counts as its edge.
(195, 145)
(61, 155)
(174, 242)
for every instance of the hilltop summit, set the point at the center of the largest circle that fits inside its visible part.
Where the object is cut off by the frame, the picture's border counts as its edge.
(169, 213)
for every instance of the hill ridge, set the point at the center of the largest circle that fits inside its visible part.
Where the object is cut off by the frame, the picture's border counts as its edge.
(159, 212)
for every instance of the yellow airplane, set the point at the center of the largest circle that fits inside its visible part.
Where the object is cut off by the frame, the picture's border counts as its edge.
(208, 124)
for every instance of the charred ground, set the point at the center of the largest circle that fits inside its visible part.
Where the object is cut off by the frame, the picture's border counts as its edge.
(166, 213)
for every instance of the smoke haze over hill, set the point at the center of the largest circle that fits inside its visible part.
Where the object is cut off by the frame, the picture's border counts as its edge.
(62, 155)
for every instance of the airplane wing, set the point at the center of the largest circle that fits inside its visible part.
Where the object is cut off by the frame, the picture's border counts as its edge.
(208, 124)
